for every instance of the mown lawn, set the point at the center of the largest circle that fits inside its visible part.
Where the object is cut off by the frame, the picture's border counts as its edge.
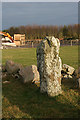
(25, 100)
(27, 56)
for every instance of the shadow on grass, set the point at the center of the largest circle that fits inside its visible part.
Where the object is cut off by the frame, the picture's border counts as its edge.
(29, 100)
(70, 83)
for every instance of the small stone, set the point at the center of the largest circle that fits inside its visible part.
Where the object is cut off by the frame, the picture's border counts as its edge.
(67, 76)
(29, 73)
(78, 82)
(68, 69)
(3, 69)
(77, 72)
(11, 67)
(6, 82)
(4, 74)
(16, 76)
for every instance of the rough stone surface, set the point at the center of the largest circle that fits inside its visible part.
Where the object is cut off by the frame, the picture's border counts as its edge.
(3, 69)
(68, 69)
(4, 74)
(77, 72)
(78, 82)
(6, 82)
(49, 66)
(67, 76)
(29, 73)
(11, 67)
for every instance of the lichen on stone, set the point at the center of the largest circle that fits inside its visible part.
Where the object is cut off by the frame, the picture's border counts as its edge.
(49, 66)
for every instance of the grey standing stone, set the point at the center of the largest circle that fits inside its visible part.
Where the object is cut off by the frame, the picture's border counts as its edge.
(49, 66)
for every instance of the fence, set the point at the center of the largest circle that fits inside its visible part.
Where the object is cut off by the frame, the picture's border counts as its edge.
(69, 42)
(35, 43)
(32, 43)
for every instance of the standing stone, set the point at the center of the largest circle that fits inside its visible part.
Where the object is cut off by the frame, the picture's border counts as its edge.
(49, 66)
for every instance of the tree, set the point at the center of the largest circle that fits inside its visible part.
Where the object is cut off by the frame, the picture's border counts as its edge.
(11, 31)
(65, 31)
(60, 35)
(39, 32)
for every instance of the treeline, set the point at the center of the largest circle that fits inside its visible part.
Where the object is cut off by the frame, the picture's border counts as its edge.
(39, 32)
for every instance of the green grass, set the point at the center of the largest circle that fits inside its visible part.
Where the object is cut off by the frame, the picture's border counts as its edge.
(69, 55)
(23, 56)
(26, 101)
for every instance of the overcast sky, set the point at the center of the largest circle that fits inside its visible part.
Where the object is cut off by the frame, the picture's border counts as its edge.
(39, 0)
(25, 13)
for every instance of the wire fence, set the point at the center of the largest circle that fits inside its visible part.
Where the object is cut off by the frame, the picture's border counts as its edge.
(34, 44)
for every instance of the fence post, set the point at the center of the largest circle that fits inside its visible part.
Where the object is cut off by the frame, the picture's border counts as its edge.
(71, 42)
(32, 43)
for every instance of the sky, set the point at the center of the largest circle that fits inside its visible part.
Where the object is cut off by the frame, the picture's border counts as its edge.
(39, 0)
(40, 13)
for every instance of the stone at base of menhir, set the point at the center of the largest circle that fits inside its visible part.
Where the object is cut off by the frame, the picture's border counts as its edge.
(77, 72)
(29, 74)
(78, 80)
(68, 69)
(11, 67)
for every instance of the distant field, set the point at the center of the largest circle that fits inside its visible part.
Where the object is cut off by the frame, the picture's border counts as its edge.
(27, 56)
(26, 101)
(24, 56)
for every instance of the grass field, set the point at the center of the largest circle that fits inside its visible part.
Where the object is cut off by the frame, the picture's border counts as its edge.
(26, 101)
